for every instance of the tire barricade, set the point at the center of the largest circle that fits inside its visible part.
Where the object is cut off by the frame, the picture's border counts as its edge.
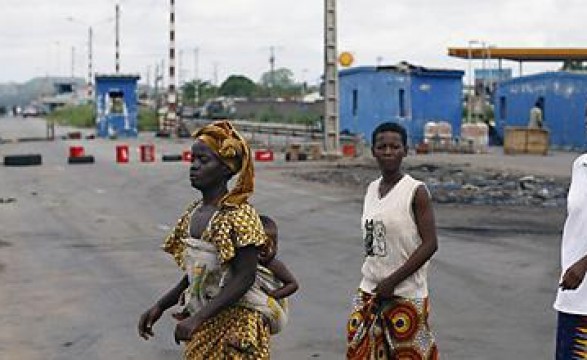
(168, 158)
(77, 155)
(23, 160)
(146, 154)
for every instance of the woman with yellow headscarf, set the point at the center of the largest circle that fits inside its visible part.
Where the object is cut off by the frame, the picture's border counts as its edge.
(224, 312)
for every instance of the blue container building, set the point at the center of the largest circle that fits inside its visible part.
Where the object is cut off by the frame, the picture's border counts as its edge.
(563, 99)
(406, 94)
(116, 105)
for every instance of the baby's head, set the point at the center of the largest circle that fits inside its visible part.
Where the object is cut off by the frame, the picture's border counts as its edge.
(270, 250)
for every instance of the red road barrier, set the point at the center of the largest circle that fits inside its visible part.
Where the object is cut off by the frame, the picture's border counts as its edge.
(264, 155)
(186, 155)
(121, 153)
(349, 150)
(147, 153)
(76, 151)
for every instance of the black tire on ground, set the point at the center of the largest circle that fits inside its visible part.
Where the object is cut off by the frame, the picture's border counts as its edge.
(172, 158)
(87, 159)
(23, 160)
(162, 134)
(74, 135)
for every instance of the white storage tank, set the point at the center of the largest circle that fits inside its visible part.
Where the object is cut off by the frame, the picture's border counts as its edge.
(430, 132)
(476, 135)
(444, 129)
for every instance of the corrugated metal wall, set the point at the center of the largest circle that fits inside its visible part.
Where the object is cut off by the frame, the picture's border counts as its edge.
(369, 97)
(565, 105)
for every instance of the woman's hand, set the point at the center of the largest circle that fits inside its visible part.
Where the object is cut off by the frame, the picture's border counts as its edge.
(384, 290)
(185, 329)
(147, 320)
(574, 275)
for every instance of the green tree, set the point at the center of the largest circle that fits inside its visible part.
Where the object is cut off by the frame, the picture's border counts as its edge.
(205, 91)
(280, 83)
(238, 86)
(281, 78)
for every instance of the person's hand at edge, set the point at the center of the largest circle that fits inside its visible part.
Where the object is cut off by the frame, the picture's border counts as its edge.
(185, 329)
(574, 275)
(147, 320)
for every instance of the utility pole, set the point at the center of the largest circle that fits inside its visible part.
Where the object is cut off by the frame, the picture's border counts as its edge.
(331, 123)
(58, 56)
(215, 65)
(170, 123)
(156, 87)
(72, 62)
(196, 82)
(180, 68)
(117, 43)
(90, 43)
(90, 59)
(471, 92)
(272, 71)
(148, 81)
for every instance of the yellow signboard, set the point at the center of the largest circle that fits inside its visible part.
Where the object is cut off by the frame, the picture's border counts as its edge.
(345, 59)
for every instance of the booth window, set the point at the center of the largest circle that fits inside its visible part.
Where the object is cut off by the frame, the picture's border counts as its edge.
(402, 103)
(116, 105)
(355, 102)
(502, 107)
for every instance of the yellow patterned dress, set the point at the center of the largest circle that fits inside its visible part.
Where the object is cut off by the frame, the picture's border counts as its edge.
(236, 332)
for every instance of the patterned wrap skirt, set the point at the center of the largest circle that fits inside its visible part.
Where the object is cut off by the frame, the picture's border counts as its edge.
(235, 333)
(394, 329)
(571, 337)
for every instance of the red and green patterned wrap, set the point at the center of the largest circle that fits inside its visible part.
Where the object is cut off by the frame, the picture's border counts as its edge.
(394, 329)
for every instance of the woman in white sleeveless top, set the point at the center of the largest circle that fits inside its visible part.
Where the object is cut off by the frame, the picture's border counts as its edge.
(390, 315)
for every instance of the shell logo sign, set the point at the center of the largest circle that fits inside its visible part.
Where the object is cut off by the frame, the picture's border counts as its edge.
(345, 59)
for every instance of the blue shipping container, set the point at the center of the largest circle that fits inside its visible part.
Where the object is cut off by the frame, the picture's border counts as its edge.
(563, 99)
(405, 94)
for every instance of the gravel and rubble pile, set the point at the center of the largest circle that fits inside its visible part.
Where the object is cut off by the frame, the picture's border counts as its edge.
(456, 184)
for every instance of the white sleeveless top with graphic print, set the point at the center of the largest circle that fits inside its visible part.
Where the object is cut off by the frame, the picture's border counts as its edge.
(391, 236)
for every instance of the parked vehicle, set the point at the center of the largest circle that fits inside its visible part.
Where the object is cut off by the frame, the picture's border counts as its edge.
(30, 111)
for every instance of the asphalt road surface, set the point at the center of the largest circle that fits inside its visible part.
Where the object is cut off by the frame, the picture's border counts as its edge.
(80, 259)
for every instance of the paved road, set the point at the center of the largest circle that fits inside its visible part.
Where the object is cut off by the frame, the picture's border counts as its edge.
(79, 260)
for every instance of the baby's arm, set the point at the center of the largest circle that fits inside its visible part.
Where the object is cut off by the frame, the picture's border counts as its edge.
(280, 271)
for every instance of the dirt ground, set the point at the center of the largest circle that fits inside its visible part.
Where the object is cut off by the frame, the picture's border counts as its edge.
(494, 278)
(518, 212)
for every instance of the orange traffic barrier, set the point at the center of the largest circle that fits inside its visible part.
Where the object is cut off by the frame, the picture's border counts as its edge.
(121, 153)
(147, 153)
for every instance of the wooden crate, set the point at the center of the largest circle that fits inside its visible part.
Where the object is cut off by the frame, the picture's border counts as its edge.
(315, 151)
(514, 141)
(293, 152)
(522, 140)
(537, 141)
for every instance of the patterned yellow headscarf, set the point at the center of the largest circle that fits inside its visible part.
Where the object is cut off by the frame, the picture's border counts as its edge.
(234, 151)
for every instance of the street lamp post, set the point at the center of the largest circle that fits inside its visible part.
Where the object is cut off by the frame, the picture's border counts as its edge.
(90, 60)
(471, 90)
(90, 81)
(90, 43)
(490, 73)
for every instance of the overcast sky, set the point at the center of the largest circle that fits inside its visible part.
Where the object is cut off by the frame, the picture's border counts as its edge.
(234, 36)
